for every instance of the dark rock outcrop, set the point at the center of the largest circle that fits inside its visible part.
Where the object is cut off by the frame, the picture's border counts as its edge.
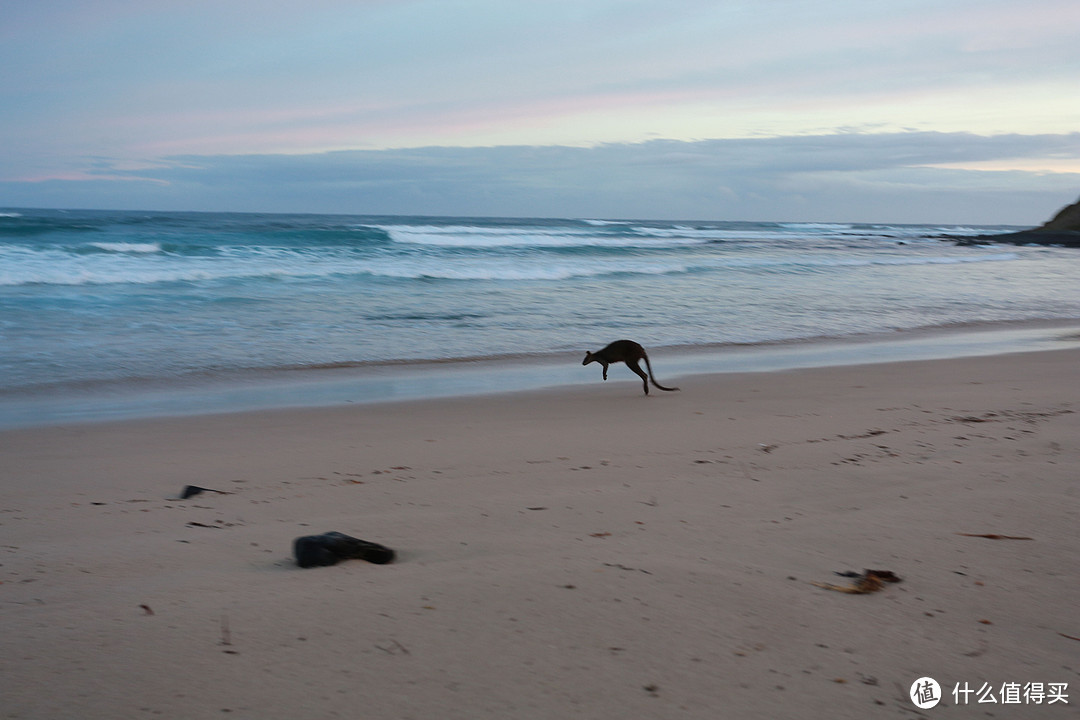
(1062, 229)
(1067, 220)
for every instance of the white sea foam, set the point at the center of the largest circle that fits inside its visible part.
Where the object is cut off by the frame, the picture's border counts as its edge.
(55, 267)
(52, 266)
(127, 247)
(493, 237)
(59, 268)
(686, 233)
(961, 231)
(829, 227)
(751, 234)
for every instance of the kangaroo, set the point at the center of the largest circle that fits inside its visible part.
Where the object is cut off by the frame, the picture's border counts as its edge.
(629, 352)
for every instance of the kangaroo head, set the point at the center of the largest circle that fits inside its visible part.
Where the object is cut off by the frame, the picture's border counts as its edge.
(588, 358)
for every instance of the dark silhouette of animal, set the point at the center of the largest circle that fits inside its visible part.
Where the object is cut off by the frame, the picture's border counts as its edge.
(629, 352)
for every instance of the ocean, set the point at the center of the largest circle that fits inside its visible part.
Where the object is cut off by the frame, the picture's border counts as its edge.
(102, 298)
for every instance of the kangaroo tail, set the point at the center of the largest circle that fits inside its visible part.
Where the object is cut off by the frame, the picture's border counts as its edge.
(648, 365)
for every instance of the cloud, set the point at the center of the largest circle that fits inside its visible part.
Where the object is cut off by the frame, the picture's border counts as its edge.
(155, 78)
(888, 177)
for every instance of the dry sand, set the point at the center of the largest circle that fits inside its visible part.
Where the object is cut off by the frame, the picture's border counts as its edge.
(574, 553)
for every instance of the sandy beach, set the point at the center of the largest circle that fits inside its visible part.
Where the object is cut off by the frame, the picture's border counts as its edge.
(578, 552)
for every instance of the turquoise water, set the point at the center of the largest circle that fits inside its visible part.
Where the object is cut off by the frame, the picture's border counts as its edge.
(92, 297)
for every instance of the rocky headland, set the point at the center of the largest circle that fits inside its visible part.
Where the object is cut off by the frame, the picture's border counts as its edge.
(1063, 229)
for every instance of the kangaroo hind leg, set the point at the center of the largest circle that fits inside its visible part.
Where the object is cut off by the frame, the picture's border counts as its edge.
(633, 365)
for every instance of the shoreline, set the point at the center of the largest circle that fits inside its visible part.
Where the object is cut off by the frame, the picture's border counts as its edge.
(408, 380)
(572, 552)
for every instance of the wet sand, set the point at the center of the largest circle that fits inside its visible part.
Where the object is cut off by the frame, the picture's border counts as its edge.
(361, 383)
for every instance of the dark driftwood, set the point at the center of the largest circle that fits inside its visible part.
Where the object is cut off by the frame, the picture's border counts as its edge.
(332, 547)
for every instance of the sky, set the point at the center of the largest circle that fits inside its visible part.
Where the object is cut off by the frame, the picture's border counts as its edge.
(951, 111)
